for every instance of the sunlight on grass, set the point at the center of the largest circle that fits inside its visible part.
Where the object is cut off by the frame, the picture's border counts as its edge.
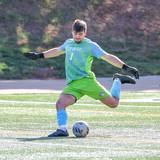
(129, 132)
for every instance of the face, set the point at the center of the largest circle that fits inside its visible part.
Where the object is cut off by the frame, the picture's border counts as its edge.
(78, 36)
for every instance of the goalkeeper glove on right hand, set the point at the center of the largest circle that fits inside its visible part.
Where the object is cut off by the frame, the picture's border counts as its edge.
(34, 55)
(130, 70)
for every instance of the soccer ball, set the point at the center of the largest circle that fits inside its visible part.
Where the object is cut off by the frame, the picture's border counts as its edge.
(80, 129)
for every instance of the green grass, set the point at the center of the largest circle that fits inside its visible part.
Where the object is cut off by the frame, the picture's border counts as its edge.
(129, 132)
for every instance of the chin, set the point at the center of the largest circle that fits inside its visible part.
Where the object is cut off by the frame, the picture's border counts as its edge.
(77, 41)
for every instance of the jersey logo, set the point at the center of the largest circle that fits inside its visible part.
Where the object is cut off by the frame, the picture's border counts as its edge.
(102, 93)
(71, 57)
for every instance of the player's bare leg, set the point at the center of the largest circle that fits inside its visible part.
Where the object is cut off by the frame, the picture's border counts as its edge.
(64, 101)
(110, 101)
(118, 79)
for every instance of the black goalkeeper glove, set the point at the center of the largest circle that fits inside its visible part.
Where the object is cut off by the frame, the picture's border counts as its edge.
(34, 55)
(130, 70)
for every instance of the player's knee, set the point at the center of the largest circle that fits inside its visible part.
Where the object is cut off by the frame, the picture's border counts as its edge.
(111, 102)
(65, 101)
(60, 104)
(114, 105)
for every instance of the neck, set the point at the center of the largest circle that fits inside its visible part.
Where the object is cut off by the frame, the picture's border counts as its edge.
(79, 41)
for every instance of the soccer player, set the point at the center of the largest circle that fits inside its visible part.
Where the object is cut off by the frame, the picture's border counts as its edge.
(79, 53)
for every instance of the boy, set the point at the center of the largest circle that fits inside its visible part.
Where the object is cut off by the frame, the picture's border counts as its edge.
(79, 52)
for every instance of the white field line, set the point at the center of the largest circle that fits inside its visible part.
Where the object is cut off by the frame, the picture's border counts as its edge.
(25, 91)
(141, 100)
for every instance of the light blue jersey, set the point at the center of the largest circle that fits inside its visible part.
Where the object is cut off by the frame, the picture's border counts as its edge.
(79, 58)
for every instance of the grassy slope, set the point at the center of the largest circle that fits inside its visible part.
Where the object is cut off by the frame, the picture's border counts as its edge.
(130, 30)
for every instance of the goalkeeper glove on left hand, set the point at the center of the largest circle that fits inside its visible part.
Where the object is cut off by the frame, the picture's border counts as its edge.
(34, 55)
(130, 70)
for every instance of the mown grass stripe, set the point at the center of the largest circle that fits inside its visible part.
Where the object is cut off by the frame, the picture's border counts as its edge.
(128, 132)
(78, 104)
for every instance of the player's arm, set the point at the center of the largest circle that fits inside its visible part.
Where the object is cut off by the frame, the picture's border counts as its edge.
(98, 52)
(54, 52)
(115, 61)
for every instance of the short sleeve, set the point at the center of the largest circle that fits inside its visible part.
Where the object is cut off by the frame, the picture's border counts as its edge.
(97, 51)
(62, 47)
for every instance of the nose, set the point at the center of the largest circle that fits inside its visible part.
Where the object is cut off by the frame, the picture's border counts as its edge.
(77, 36)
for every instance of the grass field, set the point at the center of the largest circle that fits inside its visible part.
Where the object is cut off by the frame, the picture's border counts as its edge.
(129, 132)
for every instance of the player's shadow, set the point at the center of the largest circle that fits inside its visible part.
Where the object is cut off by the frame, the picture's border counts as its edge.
(45, 138)
(54, 138)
